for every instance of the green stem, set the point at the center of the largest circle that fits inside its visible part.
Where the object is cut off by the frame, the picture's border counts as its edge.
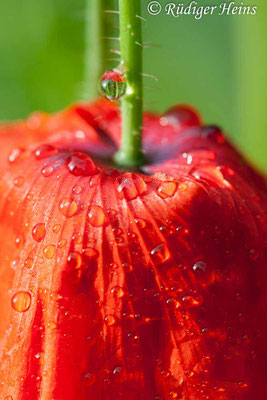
(130, 153)
(95, 49)
(98, 31)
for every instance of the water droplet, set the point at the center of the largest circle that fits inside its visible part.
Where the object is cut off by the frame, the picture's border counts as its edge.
(118, 291)
(212, 173)
(19, 181)
(110, 320)
(39, 232)
(160, 254)
(56, 228)
(80, 164)
(90, 252)
(117, 231)
(49, 251)
(62, 243)
(183, 187)
(214, 133)
(190, 301)
(15, 263)
(75, 260)
(112, 85)
(20, 242)
(167, 189)
(130, 186)
(171, 302)
(173, 395)
(29, 196)
(112, 213)
(127, 267)
(181, 116)
(199, 266)
(77, 238)
(141, 223)
(51, 325)
(77, 189)
(21, 301)
(119, 373)
(89, 379)
(55, 296)
(45, 151)
(97, 216)
(47, 171)
(28, 263)
(68, 207)
(14, 155)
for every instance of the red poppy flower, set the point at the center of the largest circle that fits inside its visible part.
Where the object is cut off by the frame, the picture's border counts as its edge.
(119, 284)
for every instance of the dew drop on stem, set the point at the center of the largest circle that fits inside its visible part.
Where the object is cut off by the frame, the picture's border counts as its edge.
(112, 85)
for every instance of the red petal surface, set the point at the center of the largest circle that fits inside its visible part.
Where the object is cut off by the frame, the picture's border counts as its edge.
(116, 284)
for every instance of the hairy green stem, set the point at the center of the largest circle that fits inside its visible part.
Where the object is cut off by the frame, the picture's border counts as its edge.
(130, 153)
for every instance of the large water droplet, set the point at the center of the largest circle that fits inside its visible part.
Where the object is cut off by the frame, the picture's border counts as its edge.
(97, 216)
(77, 238)
(130, 186)
(47, 171)
(49, 251)
(75, 260)
(112, 85)
(160, 254)
(167, 189)
(80, 164)
(21, 301)
(39, 232)
(68, 207)
(45, 151)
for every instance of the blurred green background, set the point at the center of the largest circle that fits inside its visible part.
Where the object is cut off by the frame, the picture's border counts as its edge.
(218, 64)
